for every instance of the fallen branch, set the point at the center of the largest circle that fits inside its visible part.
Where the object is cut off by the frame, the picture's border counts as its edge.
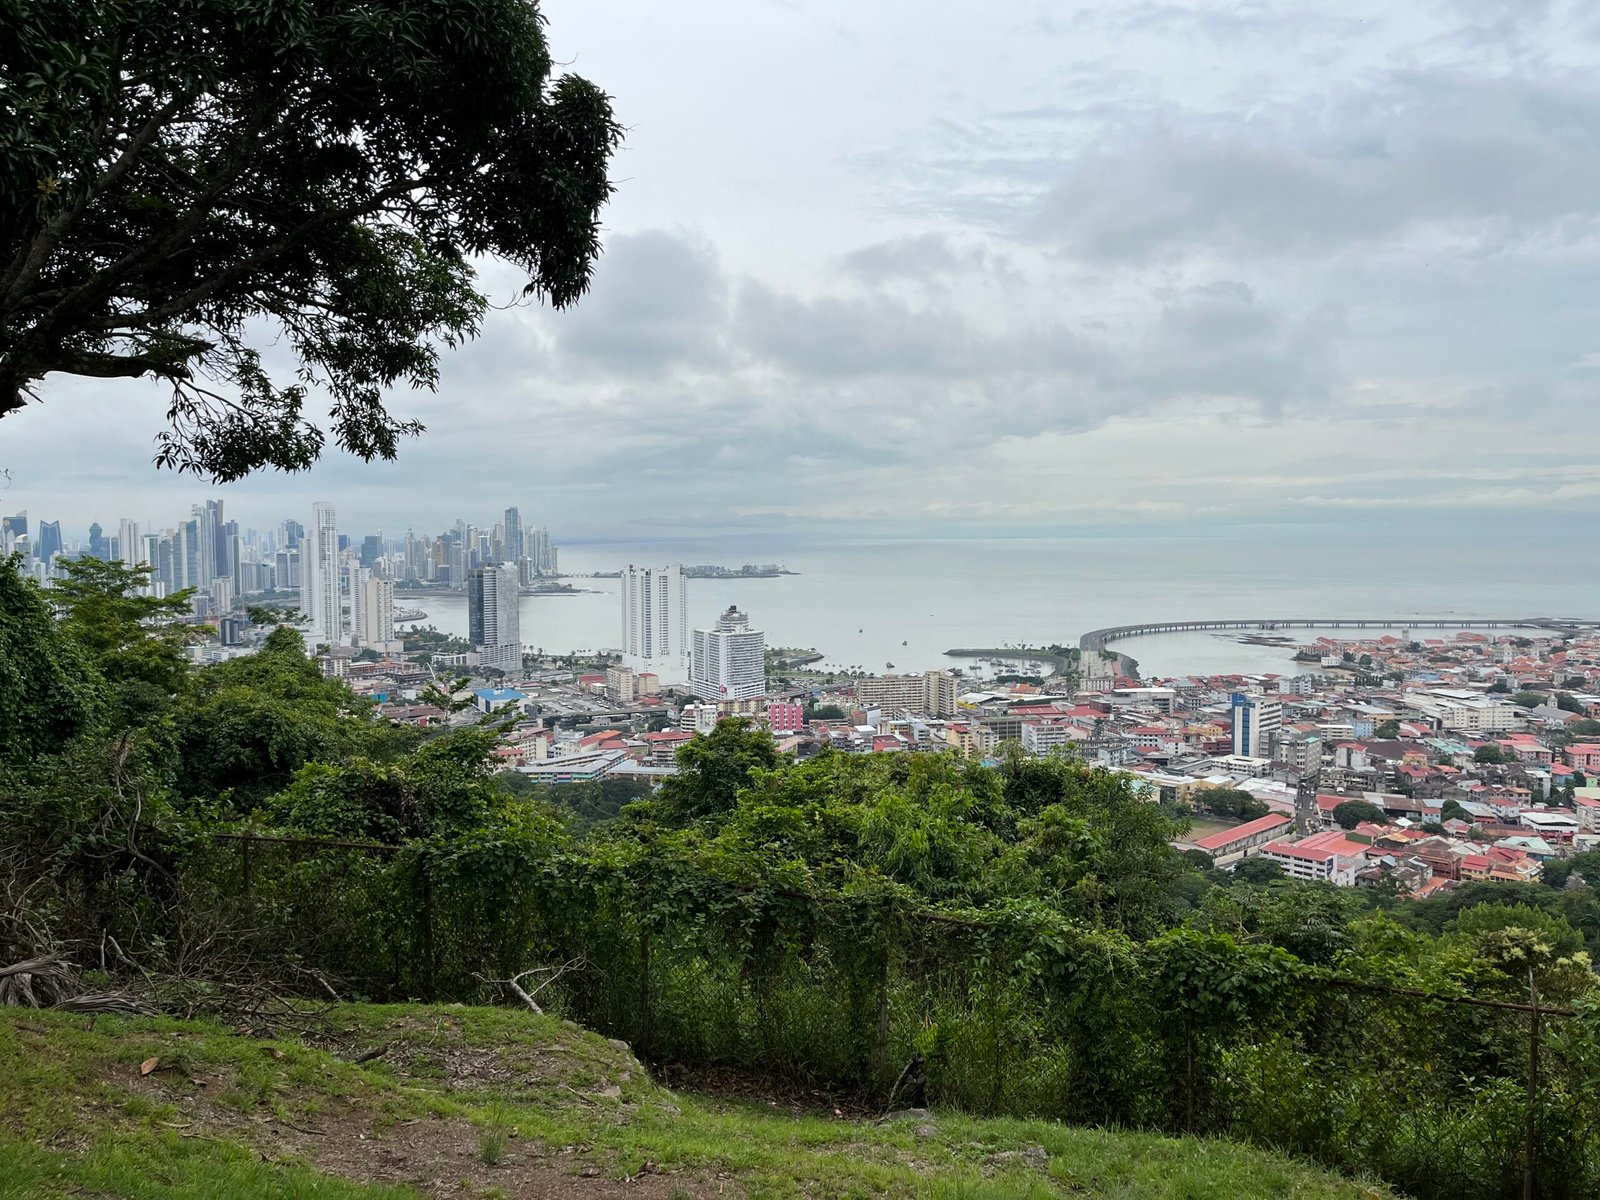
(37, 982)
(104, 1002)
(326, 986)
(514, 984)
(50, 982)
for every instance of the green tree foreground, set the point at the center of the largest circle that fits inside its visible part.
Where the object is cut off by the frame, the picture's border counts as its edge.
(182, 181)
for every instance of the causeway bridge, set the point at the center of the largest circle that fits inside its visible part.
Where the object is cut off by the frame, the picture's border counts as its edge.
(1099, 639)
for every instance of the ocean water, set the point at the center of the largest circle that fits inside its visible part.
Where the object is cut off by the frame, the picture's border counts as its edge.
(866, 604)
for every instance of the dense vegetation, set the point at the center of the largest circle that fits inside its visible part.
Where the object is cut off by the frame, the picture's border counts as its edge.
(1024, 928)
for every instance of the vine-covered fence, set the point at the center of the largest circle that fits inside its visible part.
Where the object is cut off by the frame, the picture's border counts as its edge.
(1015, 1010)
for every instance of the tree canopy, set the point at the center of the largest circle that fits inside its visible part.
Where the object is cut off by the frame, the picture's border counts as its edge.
(183, 181)
(1231, 802)
(48, 691)
(133, 639)
(1350, 813)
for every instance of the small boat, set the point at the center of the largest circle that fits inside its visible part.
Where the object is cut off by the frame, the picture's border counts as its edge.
(902, 643)
(888, 666)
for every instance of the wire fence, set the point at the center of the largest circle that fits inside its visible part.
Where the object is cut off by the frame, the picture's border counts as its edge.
(1442, 1095)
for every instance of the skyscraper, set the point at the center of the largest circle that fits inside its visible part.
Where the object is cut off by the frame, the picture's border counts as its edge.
(230, 558)
(157, 551)
(130, 543)
(538, 548)
(730, 661)
(221, 565)
(319, 578)
(513, 535)
(372, 610)
(97, 539)
(655, 623)
(455, 556)
(286, 565)
(49, 540)
(12, 529)
(493, 625)
(186, 555)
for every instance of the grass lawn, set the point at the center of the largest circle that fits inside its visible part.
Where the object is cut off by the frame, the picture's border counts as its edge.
(498, 1103)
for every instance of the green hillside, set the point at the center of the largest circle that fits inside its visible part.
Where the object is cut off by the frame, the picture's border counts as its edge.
(485, 1102)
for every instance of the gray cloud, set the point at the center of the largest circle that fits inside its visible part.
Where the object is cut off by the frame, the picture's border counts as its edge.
(657, 303)
(1490, 160)
(919, 257)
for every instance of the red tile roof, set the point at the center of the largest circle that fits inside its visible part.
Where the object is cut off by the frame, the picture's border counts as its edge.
(1249, 829)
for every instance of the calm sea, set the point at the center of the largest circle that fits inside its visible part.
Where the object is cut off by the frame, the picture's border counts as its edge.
(867, 604)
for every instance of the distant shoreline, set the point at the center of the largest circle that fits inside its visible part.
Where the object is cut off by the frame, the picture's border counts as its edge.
(712, 572)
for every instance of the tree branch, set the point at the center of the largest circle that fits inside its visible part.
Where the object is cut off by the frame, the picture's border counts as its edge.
(46, 240)
(179, 305)
(514, 984)
(96, 365)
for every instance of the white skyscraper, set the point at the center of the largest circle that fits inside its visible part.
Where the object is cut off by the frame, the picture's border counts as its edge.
(130, 543)
(319, 579)
(655, 622)
(130, 546)
(493, 625)
(730, 661)
(372, 608)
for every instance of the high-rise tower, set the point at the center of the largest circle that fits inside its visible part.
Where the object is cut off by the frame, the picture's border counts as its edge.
(319, 578)
(515, 546)
(730, 661)
(493, 626)
(655, 623)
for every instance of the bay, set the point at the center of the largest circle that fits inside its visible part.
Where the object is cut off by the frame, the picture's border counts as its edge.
(867, 603)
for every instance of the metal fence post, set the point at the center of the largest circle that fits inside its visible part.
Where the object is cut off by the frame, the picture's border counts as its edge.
(880, 1045)
(1531, 1133)
(646, 1016)
(994, 1031)
(430, 981)
(1188, 1091)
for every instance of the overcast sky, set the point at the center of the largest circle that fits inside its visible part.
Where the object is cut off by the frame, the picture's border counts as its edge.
(937, 265)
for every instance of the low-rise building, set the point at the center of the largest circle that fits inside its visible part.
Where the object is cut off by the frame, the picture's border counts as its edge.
(1586, 804)
(621, 684)
(489, 700)
(785, 718)
(662, 748)
(1043, 736)
(1328, 857)
(1583, 756)
(1234, 843)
